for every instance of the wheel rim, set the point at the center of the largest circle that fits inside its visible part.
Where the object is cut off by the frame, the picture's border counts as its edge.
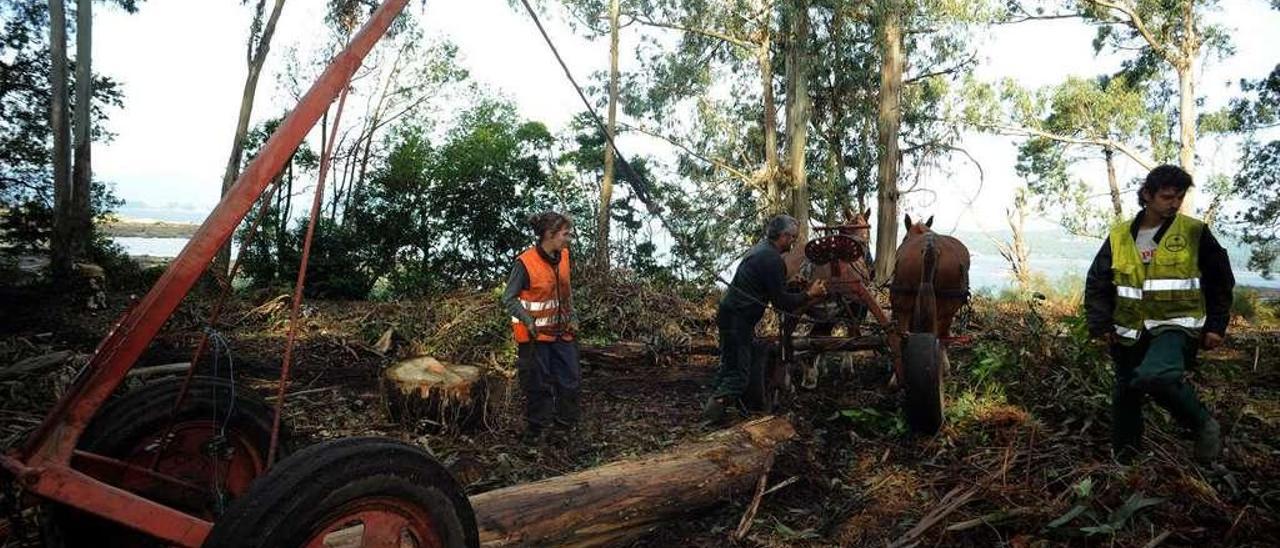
(379, 522)
(187, 454)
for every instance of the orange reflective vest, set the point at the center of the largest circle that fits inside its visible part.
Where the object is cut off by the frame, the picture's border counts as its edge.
(546, 299)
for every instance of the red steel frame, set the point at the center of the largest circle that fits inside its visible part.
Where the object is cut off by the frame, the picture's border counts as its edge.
(44, 466)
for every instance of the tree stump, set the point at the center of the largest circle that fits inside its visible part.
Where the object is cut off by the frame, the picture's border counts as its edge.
(425, 393)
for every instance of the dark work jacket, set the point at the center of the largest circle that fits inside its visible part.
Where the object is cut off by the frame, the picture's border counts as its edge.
(1216, 283)
(760, 279)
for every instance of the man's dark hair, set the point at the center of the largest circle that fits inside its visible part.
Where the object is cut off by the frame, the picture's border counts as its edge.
(1165, 176)
(779, 225)
(548, 221)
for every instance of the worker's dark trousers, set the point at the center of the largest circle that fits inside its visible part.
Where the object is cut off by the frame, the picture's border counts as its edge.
(1155, 367)
(736, 337)
(551, 379)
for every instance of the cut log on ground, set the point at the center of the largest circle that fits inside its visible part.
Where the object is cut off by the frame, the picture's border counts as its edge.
(622, 500)
(424, 392)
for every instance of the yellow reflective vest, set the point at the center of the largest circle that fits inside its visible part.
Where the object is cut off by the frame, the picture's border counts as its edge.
(1163, 294)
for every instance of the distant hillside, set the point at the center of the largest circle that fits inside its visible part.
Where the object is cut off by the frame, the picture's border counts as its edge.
(147, 228)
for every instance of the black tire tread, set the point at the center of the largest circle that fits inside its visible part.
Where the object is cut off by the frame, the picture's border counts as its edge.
(280, 507)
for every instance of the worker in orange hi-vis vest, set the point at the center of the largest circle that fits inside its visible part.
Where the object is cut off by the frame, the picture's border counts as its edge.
(542, 319)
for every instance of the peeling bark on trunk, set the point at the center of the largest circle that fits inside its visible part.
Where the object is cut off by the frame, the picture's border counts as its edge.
(1111, 181)
(82, 172)
(610, 504)
(606, 186)
(60, 246)
(889, 121)
(1187, 127)
(773, 182)
(799, 107)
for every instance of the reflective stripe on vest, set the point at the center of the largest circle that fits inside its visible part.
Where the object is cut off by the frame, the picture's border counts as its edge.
(546, 299)
(1164, 293)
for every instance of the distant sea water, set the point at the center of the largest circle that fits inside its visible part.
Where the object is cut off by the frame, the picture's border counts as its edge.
(1056, 256)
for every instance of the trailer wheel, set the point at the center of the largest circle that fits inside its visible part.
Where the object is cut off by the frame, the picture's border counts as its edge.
(351, 492)
(766, 378)
(923, 362)
(221, 434)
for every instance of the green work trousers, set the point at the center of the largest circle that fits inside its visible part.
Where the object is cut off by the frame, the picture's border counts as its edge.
(1154, 367)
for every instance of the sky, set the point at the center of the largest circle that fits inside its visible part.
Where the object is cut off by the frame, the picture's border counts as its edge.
(182, 66)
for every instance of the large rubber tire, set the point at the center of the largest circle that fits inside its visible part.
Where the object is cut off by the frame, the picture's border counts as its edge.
(129, 427)
(315, 490)
(763, 387)
(923, 363)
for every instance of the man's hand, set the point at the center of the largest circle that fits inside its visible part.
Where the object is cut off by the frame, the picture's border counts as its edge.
(1211, 340)
(533, 330)
(818, 289)
(1105, 340)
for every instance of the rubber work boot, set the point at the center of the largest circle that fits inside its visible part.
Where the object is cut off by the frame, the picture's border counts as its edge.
(716, 411)
(1208, 441)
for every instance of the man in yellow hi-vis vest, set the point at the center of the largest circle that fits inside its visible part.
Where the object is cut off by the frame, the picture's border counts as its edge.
(542, 321)
(1159, 289)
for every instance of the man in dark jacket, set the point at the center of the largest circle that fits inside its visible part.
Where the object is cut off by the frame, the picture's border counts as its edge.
(1159, 288)
(759, 280)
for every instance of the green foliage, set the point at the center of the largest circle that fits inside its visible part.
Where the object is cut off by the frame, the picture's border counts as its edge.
(1259, 175)
(991, 360)
(1250, 305)
(872, 421)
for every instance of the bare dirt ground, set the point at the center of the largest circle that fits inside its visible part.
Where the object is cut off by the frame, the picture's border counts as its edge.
(1024, 458)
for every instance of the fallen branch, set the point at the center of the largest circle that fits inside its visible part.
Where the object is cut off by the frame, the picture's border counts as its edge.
(990, 519)
(744, 524)
(951, 502)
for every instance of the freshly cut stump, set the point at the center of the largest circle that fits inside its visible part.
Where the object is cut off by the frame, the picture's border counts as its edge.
(426, 393)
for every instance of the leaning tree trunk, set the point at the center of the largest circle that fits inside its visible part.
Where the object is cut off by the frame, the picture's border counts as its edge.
(610, 504)
(60, 244)
(1110, 153)
(257, 57)
(606, 186)
(799, 107)
(889, 121)
(81, 222)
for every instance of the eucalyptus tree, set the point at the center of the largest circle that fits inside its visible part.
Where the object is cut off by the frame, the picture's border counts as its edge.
(261, 29)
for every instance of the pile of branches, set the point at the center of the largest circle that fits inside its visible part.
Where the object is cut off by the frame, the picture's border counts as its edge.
(619, 305)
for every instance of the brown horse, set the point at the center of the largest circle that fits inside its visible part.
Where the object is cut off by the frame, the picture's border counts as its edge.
(841, 258)
(930, 280)
(838, 272)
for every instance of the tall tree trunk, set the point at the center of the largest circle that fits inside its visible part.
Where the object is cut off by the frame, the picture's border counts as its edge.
(773, 183)
(1109, 153)
(1187, 124)
(256, 58)
(606, 186)
(889, 122)
(81, 223)
(60, 244)
(798, 111)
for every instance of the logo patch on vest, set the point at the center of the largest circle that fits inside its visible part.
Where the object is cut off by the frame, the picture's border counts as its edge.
(1175, 242)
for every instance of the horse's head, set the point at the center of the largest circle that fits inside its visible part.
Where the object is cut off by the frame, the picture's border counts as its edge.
(916, 229)
(856, 224)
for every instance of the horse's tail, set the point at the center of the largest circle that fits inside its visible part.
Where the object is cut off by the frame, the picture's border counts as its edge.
(924, 314)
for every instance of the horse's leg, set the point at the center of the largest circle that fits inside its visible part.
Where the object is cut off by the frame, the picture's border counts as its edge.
(810, 363)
